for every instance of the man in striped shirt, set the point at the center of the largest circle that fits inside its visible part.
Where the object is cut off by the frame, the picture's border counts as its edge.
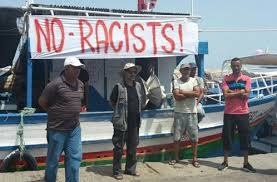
(61, 98)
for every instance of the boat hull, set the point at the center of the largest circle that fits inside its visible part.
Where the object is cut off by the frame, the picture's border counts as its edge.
(155, 133)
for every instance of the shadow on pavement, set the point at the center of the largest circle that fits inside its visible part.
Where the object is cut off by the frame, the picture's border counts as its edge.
(215, 165)
(267, 171)
(100, 170)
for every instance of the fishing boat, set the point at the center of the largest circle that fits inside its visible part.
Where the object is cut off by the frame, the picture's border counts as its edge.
(48, 34)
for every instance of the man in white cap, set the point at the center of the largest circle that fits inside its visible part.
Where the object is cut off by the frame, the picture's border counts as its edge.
(61, 98)
(127, 101)
(185, 90)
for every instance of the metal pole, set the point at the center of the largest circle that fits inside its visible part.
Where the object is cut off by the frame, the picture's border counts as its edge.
(191, 13)
(29, 77)
(199, 59)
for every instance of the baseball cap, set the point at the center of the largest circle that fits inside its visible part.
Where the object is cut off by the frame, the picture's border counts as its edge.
(184, 66)
(193, 65)
(73, 61)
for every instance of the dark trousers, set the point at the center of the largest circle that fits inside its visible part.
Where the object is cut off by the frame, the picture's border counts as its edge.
(241, 122)
(131, 137)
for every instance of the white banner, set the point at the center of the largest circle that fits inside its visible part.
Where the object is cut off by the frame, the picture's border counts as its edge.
(57, 37)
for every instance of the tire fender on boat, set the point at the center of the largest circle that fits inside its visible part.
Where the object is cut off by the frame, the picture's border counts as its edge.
(13, 157)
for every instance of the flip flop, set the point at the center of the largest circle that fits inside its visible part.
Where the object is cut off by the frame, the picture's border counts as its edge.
(195, 164)
(173, 162)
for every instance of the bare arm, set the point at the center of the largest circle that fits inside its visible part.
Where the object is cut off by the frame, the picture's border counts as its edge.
(113, 104)
(181, 95)
(201, 96)
(247, 92)
(195, 93)
(43, 103)
(178, 95)
(241, 93)
(201, 84)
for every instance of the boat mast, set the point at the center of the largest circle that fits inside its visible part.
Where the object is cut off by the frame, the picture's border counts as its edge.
(191, 10)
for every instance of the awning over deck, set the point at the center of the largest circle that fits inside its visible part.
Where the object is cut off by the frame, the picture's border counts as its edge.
(261, 59)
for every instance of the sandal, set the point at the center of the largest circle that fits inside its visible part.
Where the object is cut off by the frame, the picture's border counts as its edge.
(173, 162)
(195, 163)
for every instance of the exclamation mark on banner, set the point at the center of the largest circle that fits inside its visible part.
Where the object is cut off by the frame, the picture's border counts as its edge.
(181, 37)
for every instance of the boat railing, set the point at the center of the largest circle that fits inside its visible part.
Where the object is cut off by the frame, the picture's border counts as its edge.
(268, 86)
(84, 12)
(261, 85)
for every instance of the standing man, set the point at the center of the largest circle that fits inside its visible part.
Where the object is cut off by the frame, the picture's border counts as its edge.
(61, 98)
(236, 89)
(201, 85)
(185, 92)
(127, 101)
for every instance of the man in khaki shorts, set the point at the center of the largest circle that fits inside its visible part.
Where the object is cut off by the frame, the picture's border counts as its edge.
(185, 92)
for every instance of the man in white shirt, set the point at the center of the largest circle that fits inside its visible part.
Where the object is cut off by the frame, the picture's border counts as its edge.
(185, 92)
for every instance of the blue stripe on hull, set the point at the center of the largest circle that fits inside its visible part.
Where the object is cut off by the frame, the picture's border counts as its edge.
(107, 115)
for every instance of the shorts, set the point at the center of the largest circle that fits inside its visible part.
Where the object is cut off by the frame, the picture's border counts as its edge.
(231, 121)
(185, 122)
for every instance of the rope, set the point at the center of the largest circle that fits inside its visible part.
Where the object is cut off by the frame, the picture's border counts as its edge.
(20, 132)
(20, 129)
(239, 30)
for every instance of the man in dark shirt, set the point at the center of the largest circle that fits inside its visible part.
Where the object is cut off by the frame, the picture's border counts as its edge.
(61, 98)
(133, 108)
(126, 100)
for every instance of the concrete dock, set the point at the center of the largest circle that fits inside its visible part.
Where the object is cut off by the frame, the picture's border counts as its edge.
(265, 164)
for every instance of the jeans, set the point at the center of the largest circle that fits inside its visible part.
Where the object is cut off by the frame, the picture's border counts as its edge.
(69, 142)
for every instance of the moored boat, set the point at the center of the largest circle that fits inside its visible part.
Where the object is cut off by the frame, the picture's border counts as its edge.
(156, 129)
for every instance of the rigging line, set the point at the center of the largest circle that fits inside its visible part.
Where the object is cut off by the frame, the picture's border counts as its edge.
(239, 30)
(8, 30)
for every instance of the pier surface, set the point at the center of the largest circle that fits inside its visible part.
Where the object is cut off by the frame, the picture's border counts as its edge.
(266, 165)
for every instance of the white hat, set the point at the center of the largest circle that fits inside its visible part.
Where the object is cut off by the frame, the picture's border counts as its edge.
(132, 65)
(185, 65)
(73, 61)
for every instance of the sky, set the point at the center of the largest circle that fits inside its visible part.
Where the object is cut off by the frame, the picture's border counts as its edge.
(215, 14)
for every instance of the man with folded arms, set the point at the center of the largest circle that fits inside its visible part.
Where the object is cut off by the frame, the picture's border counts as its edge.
(236, 89)
(185, 92)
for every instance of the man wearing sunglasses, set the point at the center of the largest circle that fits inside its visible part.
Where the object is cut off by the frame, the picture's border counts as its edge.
(127, 101)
